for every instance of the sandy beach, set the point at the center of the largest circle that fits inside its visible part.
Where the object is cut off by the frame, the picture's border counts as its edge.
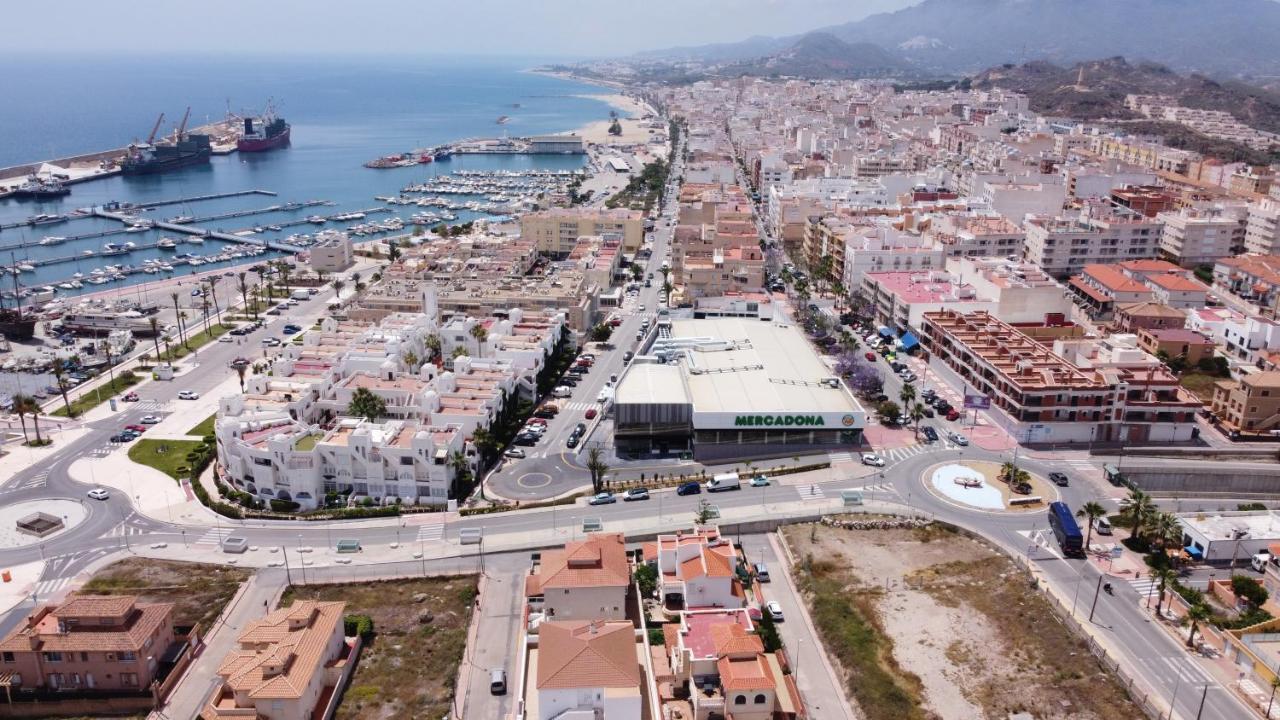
(630, 110)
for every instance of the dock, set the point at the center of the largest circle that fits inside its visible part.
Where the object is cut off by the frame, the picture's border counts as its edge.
(259, 211)
(200, 232)
(202, 198)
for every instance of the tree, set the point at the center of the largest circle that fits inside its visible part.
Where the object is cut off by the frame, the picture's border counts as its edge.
(917, 414)
(907, 394)
(213, 295)
(433, 346)
(393, 249)
(597, 467)
(284, 267)
(59, 376)
(615, 128)
(1164, 577)
(866, 380)
(365, 404)
(20, 408)
(27, 405)
(479, 333)
(601, 332)
(411, 361)
(646, 579)
(847, 364)
(1013, 475)
(890, 411)
(154, 322)
(244, 294)
(486, 443)
(177, 312)
(241, 368)
(204, 307)
(1249, 590)
(461, 472)
(1139, 509)
(1090, 511)
(337, 289)
(1197, 613)
(703, 515)
(1165, 528)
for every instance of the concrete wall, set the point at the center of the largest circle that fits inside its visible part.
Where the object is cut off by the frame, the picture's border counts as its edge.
(1233, 479)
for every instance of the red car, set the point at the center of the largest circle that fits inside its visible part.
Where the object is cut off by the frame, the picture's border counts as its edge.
(871, 356)
(136, 428)
(953, 415)
(131, 397)
(615, 322)
(590, 413)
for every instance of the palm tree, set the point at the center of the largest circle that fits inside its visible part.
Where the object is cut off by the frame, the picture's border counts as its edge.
(213, 294)
(240, 371)
(461, 471)
(365, 404)
(411, 360)
(1165, 528)
(20, 409)
(907, 394)
(184, 328)
(204, 305)
(597, 467)
(59, 376)
(154, 322)
(177, 312)
(1165, 577)
(1140, 508)
(433, 344)
(355, 280)
(480, 333)
(917, 414)
(285, 268)
(27, 405)
(1090, 511)
(1197, 613)
(337, 289)
(485, 443)
(244, 294)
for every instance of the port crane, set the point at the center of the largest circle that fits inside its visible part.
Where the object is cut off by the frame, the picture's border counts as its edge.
(182, 128)
(154, 129)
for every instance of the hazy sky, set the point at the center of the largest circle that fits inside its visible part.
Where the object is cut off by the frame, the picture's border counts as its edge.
(488, 27)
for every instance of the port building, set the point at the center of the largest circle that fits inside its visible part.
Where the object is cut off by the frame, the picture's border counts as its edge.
(733, 388)
(556, 145)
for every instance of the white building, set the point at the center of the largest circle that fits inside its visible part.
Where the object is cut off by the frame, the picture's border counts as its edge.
(1262, 233)
(882, 249)
(585, 670)
(1192, 237)
(1063, 245)
(699, 569)
(332, 252)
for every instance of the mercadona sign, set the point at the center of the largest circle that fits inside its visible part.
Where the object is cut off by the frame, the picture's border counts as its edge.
(779, 421)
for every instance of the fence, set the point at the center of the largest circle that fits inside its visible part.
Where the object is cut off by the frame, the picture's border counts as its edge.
(340, 685)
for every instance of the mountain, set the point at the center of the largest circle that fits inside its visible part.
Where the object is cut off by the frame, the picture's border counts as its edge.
(823, 55)
(1218, 37)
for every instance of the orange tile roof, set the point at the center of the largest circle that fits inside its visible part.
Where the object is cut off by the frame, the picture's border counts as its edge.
(598, 561)
(1112, 279)
(96, 606)
(587, 654)
(280, 654)
(745, 674)
(1178, 282)
(733, 639)
(141, 622)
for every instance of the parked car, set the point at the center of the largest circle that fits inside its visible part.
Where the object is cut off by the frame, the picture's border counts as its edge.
(572, 442)
(290, 329)
(514, 453)
(150, 420)
(870, 356)
(1102, 526)
(136, 428)
(590, 413)
(635, 494)
(1059, 479)
(225, 339)
(775, 610)
(689, 488)
(188, 395)
(930, 435)
(526, 439)
(872, 459)
(562, 391)
(604, 498)
(626, 356)
(952, 415)
(958, 439)
(98, 494)
(762, 572)
(759, 481)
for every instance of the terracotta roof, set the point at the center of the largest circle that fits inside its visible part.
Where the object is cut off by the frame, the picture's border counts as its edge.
(1149, 309)
(1110, 277)
(745, 674)
(733, 639)
(141, 622)
(587, 654)
(96, 606)
(1159, 266)
(598, 561)
(1174, 281)
(279, 654)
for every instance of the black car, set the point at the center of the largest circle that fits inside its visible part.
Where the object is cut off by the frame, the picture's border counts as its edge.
(579, 428)
(930, 435)
(929, 394)
(928, 412)
(572, 441)
(689, 488)
(526, 439)
(1059, 479)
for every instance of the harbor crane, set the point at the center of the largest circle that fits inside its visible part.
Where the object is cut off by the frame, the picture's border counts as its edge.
(154, 129)
(182, 128)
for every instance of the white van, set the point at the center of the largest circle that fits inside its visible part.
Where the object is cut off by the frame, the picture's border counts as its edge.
(300, 294)
(724, 481)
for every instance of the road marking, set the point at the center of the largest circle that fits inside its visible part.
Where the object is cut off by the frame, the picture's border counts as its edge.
(35, 481)
(1190, 672)
(45, 588)
(836, 457)
(434, 531)
(1042, 540)
(214, 536)
(125, 529)
(810, 492)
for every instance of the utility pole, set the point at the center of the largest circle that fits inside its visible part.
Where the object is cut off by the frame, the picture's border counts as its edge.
(1205, 695)
(1096, 591)
(285, 554)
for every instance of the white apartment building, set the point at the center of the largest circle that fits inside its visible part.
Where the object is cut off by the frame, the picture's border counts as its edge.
(1063, 245)
(1192, 237)
(1247, 339)
(884, 249)
(977, 235)
(332, 252)
(1262, 232)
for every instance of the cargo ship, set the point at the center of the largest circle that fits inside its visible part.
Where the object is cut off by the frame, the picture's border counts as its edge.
(263, 133)
(38, 188)
(184, 150)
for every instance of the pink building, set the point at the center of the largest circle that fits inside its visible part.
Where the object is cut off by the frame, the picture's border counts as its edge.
(90, 642)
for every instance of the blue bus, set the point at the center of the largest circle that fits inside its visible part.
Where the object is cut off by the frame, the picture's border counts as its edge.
(1070, 539)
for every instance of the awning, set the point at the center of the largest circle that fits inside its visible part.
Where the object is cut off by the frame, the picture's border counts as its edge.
(908, 341)
(1193, 551)
(885, 332)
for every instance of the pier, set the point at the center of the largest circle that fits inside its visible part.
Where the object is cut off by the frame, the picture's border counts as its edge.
(200, 232)
(260, 211)
(202, 198)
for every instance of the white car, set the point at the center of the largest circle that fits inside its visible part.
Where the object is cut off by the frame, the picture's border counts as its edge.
(958, 439)
(872, 459)
(514, 453)
(774, 610)
(188, 395)
(98, 493)
(562, 391)
(149, 420)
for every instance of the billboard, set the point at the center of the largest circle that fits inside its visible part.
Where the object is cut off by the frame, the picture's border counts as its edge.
(977, 402)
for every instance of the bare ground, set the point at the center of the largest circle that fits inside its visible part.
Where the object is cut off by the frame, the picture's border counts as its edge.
(198, 591)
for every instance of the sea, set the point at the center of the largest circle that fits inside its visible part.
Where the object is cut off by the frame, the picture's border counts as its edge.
(344, 111)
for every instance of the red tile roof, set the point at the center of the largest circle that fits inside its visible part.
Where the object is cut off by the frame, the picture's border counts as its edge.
(587, 654)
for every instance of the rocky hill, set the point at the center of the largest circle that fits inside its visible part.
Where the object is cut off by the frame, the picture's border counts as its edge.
(822, 55)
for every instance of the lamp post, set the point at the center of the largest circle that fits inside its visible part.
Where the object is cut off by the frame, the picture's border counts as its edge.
(1093, 608)
(285, 554)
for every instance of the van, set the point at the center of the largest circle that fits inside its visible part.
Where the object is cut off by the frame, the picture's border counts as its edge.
(762, 572)
(1102, 526)
(300, 294)
(724, 481)
(1260, 560)
(498, 682)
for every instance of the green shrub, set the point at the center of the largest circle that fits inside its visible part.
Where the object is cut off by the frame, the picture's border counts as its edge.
(361, 625)
(284, 505)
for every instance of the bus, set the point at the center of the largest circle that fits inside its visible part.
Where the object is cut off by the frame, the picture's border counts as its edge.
(1070, 539)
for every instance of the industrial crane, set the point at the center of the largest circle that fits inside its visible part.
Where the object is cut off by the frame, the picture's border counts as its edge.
(183, 127)
(155, 128)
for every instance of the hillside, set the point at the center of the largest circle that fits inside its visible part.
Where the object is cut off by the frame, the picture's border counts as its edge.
(1230, 39)
(822, 55)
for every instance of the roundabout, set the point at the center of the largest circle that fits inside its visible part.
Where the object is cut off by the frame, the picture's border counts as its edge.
(534, 480)
(44, 519)
(978, 485)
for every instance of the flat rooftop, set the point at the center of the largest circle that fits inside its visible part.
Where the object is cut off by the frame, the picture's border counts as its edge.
(1260, 525)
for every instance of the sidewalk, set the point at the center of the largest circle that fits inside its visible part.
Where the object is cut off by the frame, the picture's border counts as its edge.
(151, 492)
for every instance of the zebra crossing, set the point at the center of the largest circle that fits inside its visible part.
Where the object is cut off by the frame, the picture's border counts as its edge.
(434, 531)
(214, 536)
(810, 492)
(581, 406)
(35, 481)
(836, 457)
(1188, 671)
(45, 588)
(125, 529)
(149, 405)
(899, 454)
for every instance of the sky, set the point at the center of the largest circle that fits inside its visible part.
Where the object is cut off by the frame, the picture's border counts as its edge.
(545, 28)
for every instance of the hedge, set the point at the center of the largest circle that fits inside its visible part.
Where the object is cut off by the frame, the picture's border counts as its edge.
(361, 625)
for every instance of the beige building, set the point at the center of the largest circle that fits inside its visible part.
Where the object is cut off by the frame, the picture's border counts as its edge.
(1191, 237)
(556, 232)
(1250, 404)
(588, 669)
(332, 252)
(587, 580)
(285, 665)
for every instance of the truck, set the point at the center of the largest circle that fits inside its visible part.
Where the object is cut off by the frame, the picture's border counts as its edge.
(1065, 529)
(1260, 560)
(724, 481)
(300, 294)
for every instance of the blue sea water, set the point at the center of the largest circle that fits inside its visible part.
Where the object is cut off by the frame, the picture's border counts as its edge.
(344, 112)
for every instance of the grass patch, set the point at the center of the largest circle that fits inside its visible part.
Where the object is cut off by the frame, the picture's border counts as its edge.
(93, 398)
(199, 592)
(409, 668)
(167, 456)
(205, 427)
(847, 623)
(306, 442)
(1199, 384)
(197, 340)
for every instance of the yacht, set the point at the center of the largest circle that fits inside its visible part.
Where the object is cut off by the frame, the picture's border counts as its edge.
(136, 229)
(166, 244)
(52, 240)
(27, 267)
(195, 240)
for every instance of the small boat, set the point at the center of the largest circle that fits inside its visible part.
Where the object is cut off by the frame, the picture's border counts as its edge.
(166, 244)
(27, 267)
(87, 253)
(274, 228)
(136, 229)
(968, 482)
(181, 219)
(195, 240)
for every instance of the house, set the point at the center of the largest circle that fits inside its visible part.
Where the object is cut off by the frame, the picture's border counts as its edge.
(1192, 347)
(587, 580)
(699, 569)
(1250, 404)
(1147, 315)
(585, 670)
(286, 663)
(90, 642)
(1100, 288)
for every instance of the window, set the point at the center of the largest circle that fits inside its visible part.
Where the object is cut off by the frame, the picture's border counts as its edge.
(84, 657)
(740, 700)
(129, 679)
(406, 460)
(760, 699)
(8, 657)
(128, 656)
(53, 657)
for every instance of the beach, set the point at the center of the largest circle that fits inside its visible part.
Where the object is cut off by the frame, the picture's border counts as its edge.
(630, 111)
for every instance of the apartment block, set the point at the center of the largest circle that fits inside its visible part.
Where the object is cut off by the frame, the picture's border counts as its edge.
(555, 232)
(1252, 278)
(89, 642)
(1064, 245)
(869, 249)
(332, 252)
(1250, 404)
(1143, 153)
(1193, 237)
(1040, 397)
(285, 665)
(977, 235)
(1262, 229)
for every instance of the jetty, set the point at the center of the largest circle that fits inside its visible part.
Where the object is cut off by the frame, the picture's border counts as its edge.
(201, 232)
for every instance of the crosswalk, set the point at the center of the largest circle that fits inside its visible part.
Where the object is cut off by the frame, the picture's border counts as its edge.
(837, 457)
(214, 536)
(125, 529)
(899, 454)
(810, 492)
(35, 481)
(1039, 541)
(1146, 588)
(434, 531)
(580, 406)
(45, 588)
(148, 405)
(1184, 668)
